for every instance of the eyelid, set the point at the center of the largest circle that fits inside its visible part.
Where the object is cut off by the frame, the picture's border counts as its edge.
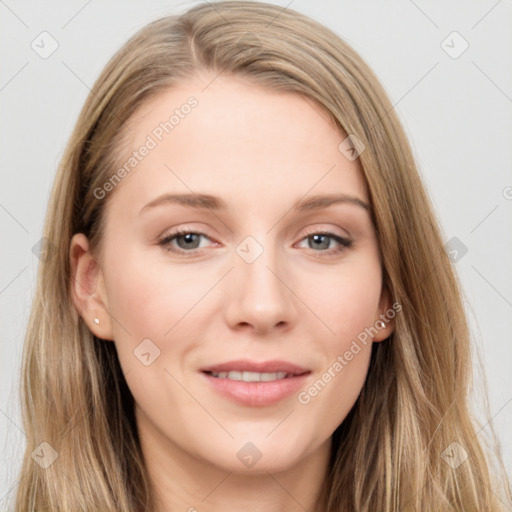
(327, 231)
(182, 229)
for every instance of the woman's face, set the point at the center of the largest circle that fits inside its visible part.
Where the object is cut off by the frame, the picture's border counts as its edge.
(274, 277)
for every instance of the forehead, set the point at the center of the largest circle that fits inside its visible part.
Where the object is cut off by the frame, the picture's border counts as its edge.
(227, 137)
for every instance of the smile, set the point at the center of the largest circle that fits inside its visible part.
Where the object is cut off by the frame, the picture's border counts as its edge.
(251, 376)
(255, 384)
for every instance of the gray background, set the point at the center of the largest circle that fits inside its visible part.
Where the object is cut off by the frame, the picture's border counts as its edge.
(457, 113)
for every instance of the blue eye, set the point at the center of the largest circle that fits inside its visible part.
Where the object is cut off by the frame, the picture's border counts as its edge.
(185, 242)
(189, 242)
(322, 242)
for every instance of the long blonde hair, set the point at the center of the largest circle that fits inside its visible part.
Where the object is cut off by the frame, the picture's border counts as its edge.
(389, 454)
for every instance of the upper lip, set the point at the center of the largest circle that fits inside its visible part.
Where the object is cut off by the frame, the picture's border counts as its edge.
(244, 365)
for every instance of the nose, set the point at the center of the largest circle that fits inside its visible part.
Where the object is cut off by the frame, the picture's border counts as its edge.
(260, 297)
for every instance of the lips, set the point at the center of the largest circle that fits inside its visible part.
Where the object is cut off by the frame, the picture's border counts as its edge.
(255, 383)
(257, 367)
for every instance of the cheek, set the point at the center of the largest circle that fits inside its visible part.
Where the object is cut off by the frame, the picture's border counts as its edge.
(347, 302)
(163, 304)
(329, 397)
(350, 313)
(147, 300)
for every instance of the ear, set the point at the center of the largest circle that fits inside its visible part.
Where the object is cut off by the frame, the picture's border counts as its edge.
(384, 320)
(87, 288)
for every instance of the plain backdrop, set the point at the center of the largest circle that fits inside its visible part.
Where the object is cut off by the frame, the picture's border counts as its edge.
(446, 66)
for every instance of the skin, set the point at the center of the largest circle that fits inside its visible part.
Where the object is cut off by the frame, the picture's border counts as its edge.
(260, 151)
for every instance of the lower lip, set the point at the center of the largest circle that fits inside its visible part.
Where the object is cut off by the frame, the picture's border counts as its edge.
(257, 394)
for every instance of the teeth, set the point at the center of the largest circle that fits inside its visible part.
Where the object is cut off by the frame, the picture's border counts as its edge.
(250, 376)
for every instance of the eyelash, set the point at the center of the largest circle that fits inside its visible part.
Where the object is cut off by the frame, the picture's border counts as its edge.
(344, 243)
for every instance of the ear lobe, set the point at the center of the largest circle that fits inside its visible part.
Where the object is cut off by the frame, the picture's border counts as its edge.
(384, 322)
(87, 288)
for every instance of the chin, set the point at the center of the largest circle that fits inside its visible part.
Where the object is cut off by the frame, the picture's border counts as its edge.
(261, 457)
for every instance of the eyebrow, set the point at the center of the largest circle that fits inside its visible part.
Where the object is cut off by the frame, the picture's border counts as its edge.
(192, 200)
(323, 201)
(210, 202)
